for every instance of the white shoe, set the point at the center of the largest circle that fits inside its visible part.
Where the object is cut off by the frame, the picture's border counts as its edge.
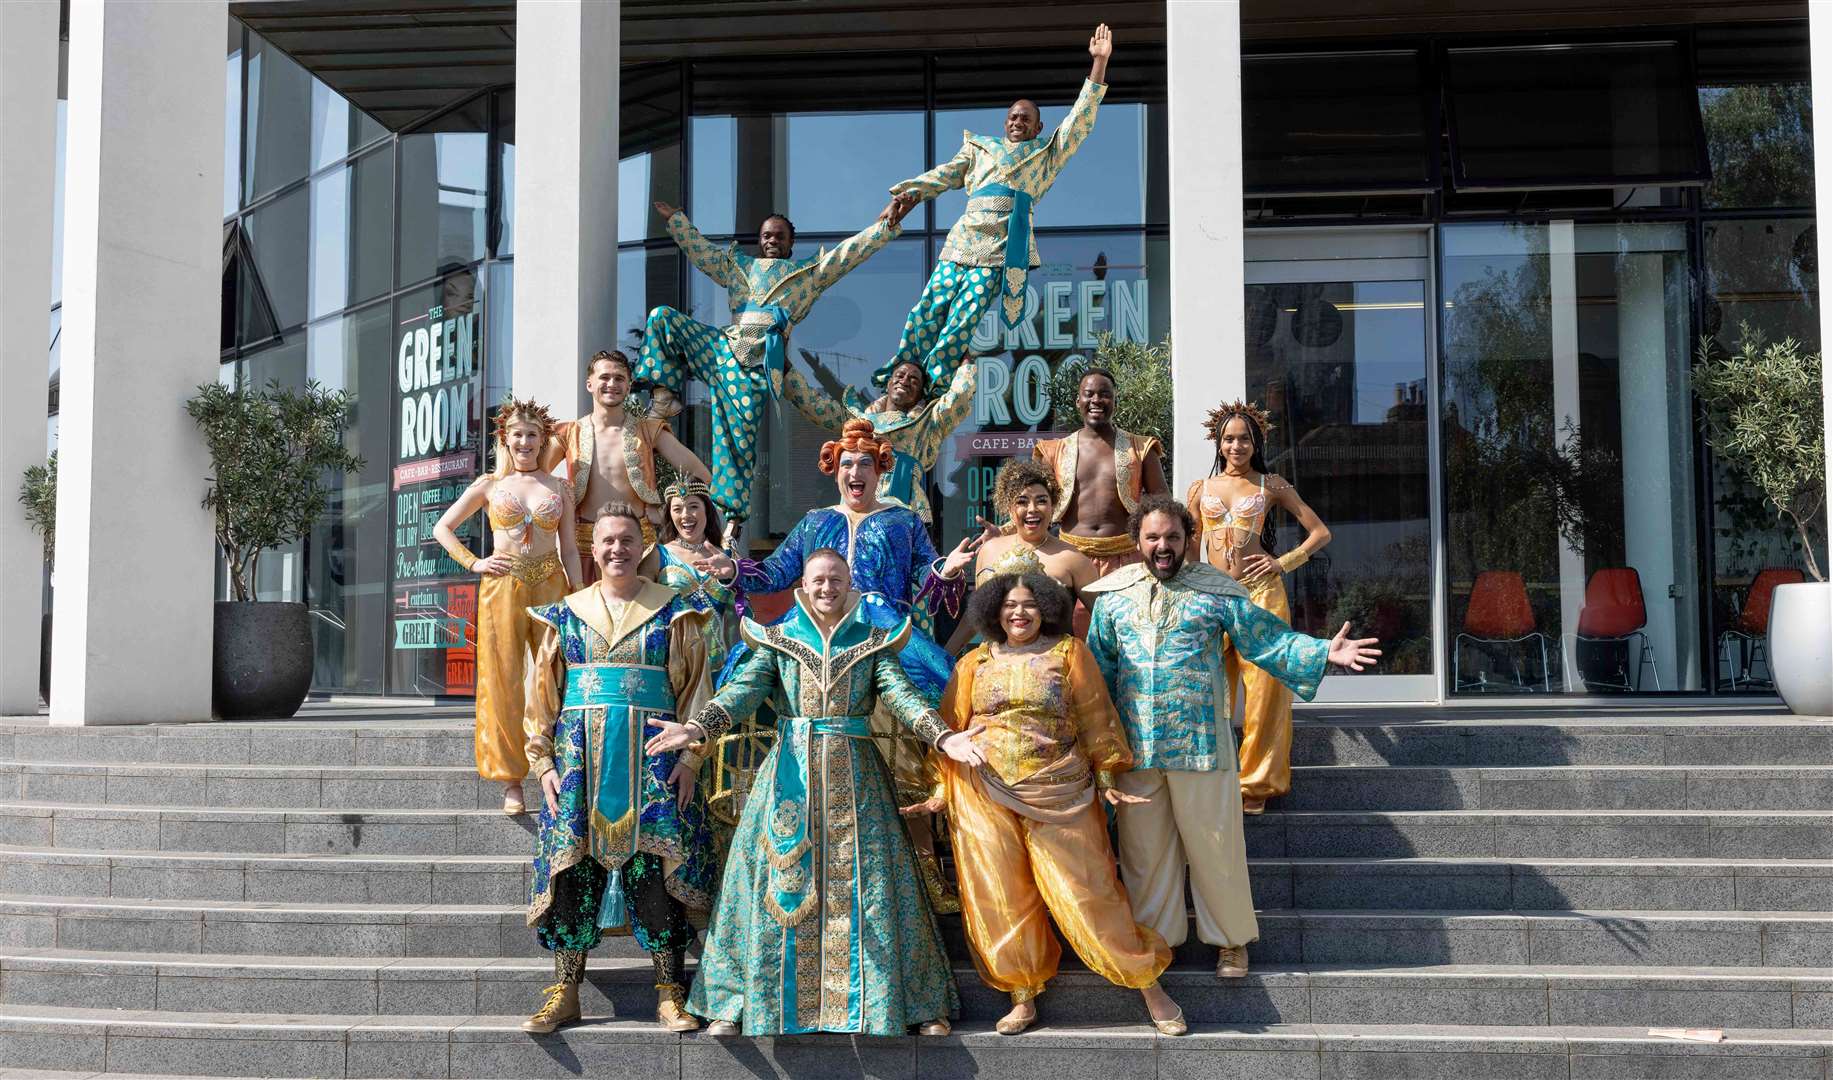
(1231, 962)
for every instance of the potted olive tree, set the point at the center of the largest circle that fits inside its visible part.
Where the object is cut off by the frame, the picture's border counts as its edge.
(1764, 420)
(39, 496)
(274, 453)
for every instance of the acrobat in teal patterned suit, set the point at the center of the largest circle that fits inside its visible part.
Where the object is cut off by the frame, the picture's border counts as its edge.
(990, 251)
(742, 364)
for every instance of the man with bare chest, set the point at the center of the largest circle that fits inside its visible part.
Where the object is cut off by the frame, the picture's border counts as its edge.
(610, 454)
(1104, 472)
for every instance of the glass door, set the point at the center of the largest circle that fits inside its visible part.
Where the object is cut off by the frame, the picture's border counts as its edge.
(1337, 352)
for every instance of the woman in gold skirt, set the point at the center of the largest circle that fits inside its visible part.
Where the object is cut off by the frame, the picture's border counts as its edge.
(1030, 837)
(532, 560)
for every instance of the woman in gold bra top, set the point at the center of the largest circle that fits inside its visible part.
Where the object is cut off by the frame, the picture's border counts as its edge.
(1026, 493)
(532, 560)
(1231, 509)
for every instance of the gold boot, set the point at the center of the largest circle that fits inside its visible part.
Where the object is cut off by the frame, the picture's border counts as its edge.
(671, 994)
(562, 1004)
(942, 899)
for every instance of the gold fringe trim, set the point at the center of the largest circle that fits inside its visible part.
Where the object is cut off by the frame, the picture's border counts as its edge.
(789, 919)
(788, 859)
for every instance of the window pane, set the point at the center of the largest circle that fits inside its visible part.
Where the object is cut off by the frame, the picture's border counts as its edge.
(1566, 365)
(714, 205)
(1341, 369)
(277, 121)
(338, 127)
(506, 174)
(830, 172)
(1104, 184)
(352, 233)
(274, 282)
(232, 122)
(347, 551)
(437, 367)
(1335, 122)
(1761, 140)
(644, 179)
(443, 189)
(1604, 116)
(648, 277)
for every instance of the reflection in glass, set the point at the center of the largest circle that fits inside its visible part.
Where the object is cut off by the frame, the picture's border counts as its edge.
(352, 233)
(274, 280)
(1104, 184)
(1567, 444)
(346, 564)
(1760, 139)
(232, 124)
(1760, 280)
(1341, 369)
(505, 246)
(277, 120)
(338, 127)
(830, 172)
(444, 184)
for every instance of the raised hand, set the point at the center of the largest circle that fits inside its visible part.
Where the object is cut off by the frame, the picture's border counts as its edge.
(959, 746)
(1101, 46)
(668, 211)
(717, 565)
(962, 557)
(1354, 655)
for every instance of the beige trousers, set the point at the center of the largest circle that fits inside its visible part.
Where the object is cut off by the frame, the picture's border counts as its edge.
(1194, 819)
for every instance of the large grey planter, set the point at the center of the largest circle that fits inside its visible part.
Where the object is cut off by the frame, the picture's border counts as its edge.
(263, 666)
(1801, 646)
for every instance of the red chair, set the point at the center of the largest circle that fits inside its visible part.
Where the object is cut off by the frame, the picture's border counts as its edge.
(1498, 614)
(1614, 612)
(1752, 625)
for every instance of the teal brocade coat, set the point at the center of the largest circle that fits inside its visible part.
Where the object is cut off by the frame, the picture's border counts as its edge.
(822, 923)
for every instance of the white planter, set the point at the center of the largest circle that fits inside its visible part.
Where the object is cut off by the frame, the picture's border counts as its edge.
(1801, 646)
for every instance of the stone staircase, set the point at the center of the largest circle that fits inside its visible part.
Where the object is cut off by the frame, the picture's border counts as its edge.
(1447, 893)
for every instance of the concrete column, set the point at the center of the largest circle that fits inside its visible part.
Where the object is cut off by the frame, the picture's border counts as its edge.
(1820, 46)
(566, 196)
(1208, 349)
(28, 131)
(136, 555)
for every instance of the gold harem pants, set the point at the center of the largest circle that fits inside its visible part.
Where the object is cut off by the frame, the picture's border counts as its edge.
(1266, 725)
(1193, 818)
(1012, 869)
(505, 634)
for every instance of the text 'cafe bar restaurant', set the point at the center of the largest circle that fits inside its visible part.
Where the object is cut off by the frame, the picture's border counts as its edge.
(1478, 249)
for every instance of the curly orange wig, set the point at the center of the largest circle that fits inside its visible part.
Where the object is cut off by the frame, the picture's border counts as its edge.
(857, 437)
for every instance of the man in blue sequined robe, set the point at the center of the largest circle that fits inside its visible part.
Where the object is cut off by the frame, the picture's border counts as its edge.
(1156, 633)
(622, 844)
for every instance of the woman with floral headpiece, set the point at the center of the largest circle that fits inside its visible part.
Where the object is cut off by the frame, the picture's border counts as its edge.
(1232, 507)
(531, 561)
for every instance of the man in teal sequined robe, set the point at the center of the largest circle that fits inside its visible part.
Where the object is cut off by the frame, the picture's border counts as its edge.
(990, 251)
(1156, 633)
(822, 923)
(622, 844)
(742, 364)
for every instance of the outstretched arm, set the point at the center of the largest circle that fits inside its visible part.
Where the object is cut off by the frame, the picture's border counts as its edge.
(684, 460)
(819, 409)
(1081, 119)
(1267, 642)
(1101, 48)
(832, 265)
(713, 261)
(944, 177)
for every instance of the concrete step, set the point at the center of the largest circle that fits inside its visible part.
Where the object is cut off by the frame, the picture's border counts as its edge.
(285, 879)
(394, 741)
(1564, 787)
(407, 787)
(156, 1042)
(1484, 884)
(266, 831)
(1542, 834)
(1406, 938)
(1491, 884)
(622, 987)
(1326, 735)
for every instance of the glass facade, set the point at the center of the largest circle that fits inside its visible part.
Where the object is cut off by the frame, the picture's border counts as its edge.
(1502, 437)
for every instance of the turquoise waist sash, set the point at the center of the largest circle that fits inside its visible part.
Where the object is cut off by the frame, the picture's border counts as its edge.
(776, 341)
(1018, 248)
(790, 851)
(614, 762)
(900, 483)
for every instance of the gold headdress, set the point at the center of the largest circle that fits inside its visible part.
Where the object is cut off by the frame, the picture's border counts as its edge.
(1228, 410)
(682, 489)
(513, 411)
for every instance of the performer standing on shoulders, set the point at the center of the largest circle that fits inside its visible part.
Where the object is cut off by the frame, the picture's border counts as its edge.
(1026, 494)
(1231, 508)
(821, 924)
(742, 364)
(1157, 635)
(622, 844)
(905, 416)
(531, 561)
(610, 453)
(990, 251)
(1103, 472)
(1029, 833)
